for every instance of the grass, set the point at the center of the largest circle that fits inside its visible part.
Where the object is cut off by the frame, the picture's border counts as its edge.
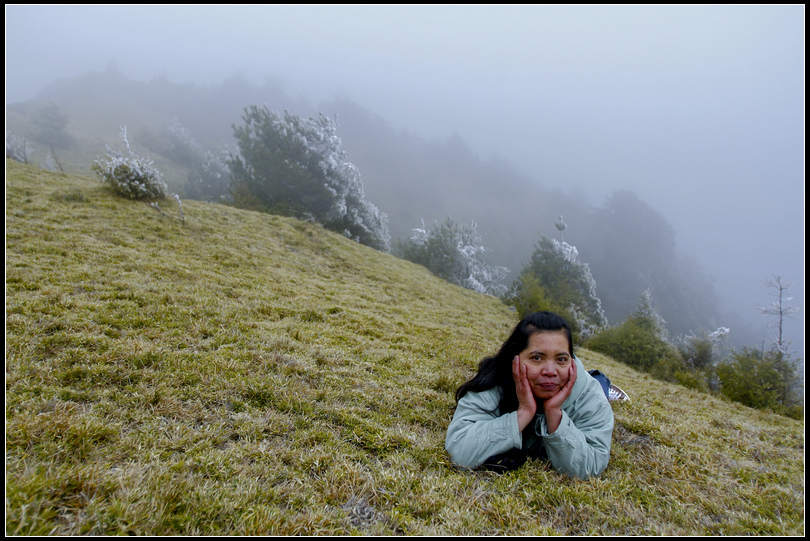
(246, 374)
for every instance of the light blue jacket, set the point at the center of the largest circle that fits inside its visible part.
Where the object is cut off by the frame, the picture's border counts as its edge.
(580, 447)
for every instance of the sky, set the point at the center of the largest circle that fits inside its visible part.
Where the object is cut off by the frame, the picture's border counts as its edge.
(698, 109)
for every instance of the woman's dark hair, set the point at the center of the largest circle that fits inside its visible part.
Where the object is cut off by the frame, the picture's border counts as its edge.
(496, 371)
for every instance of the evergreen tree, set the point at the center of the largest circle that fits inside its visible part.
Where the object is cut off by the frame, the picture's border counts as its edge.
(295, 167)
(565, 283)
(209, 180)
(455, 253)
(648, 316)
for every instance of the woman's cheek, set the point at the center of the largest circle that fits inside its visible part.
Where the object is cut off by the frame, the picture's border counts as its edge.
(566, 375)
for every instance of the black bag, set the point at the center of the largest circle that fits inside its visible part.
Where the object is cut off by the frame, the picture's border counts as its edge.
(510, 460)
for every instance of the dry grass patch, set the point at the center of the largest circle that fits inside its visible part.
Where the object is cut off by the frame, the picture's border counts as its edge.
(246, 374)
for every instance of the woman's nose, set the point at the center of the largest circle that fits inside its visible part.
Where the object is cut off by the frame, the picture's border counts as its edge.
(547, 369)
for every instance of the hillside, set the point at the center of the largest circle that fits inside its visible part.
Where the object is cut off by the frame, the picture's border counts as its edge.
(405, 176)
(241, 373)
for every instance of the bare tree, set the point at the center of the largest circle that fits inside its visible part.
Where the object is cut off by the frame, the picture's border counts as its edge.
(55, 159)
(779, 309)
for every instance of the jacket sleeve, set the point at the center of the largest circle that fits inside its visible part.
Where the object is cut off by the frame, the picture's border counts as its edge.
(477, 432)
(580, 447)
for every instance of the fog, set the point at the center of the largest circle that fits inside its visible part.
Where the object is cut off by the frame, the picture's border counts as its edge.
(698, 110)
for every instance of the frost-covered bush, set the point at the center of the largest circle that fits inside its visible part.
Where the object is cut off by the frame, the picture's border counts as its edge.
(454, 252)
(296, 167)
(700, 354)
(131, 176)
(361, 220)
(702, 351)
(17, 148)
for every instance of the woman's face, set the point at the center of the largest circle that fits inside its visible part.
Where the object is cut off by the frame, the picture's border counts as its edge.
(547, 361)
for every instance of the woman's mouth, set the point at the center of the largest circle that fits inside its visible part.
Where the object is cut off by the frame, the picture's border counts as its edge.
(548, 385)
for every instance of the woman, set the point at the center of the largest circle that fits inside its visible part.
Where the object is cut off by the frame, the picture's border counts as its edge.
(533, 398)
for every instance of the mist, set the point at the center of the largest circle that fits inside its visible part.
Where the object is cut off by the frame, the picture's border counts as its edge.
(698, 110)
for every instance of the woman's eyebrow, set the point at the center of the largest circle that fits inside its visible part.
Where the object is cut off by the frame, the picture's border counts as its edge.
(539, 352)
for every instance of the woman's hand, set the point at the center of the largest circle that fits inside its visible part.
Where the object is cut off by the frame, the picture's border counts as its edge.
(527, 405)
(552, 407)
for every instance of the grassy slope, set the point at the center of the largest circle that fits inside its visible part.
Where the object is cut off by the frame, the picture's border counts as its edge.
(249, 374)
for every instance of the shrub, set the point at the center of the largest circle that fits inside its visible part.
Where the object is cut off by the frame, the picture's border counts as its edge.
(132, 177)
(635, 344)
(528, 296)
(697, 352)
(761, 380)
(691, 379)
(641, 342)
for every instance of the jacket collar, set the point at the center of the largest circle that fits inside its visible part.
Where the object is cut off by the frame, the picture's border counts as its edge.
(579, 384)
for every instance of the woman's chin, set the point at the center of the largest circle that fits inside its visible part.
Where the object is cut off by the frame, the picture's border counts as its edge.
(545, 393)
